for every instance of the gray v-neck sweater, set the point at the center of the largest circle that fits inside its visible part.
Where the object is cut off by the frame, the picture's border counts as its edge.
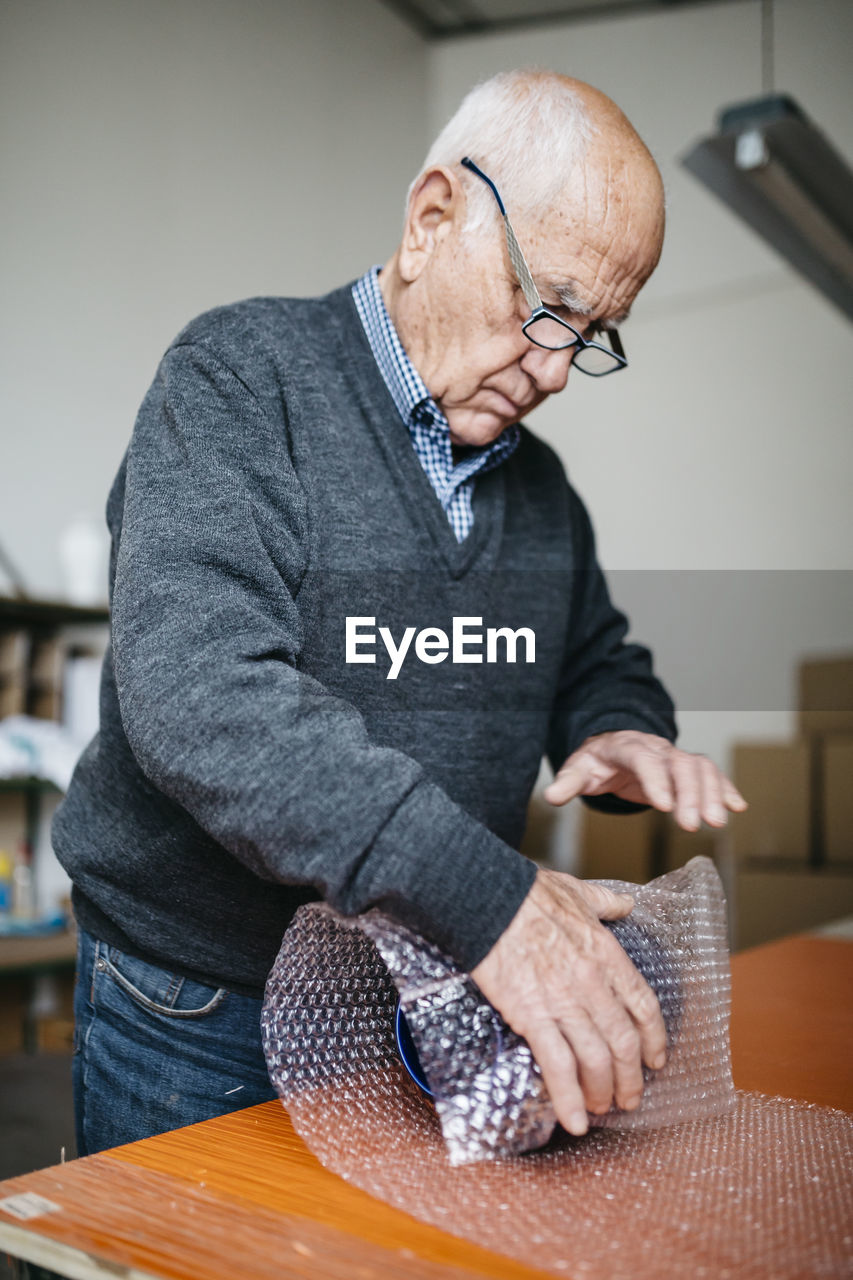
(244, 766)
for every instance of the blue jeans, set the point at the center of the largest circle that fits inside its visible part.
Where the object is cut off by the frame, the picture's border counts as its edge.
(155, 1051)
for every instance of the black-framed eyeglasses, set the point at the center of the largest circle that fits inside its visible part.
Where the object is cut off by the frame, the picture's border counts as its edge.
(543, 327)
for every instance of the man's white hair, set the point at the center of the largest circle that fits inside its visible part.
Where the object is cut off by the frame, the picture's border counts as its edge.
(528, 130)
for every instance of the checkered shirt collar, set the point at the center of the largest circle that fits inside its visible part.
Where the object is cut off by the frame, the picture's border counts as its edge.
(428, 426)
(402, 379)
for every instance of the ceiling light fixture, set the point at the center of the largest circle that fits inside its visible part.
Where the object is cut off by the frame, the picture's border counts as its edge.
(771, 165)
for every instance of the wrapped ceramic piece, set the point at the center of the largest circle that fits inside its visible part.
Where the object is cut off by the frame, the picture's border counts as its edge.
(328, 1019)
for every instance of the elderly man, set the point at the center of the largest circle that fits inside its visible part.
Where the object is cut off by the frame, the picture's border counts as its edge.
(353, 603)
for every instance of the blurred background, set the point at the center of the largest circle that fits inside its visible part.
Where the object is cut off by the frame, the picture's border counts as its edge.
(164, 157)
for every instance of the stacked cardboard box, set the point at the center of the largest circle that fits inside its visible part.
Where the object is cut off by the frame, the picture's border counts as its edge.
(637, 847)
(44, 696)
(14, 668)
(792, 851)
(787, 862)
(836, 818)
(31, 669)
(52, 1030)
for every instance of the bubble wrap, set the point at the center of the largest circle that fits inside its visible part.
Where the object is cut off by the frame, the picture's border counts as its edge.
(335, 983)
(761, 1193)
(748, 1188)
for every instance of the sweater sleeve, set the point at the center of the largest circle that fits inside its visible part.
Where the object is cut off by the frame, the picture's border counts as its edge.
(206, 641)
(605, 683)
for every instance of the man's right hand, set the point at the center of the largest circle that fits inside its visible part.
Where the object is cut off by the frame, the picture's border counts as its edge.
(561, 980)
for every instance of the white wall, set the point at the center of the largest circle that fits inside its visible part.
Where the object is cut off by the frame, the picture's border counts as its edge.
(159, 158)
(727, 445)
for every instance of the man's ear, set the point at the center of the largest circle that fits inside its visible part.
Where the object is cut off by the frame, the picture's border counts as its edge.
(436, 204)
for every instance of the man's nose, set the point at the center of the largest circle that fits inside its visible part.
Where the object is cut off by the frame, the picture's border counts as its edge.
(548, 370)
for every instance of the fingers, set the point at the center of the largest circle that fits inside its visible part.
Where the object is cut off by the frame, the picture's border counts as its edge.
(652, 771)
(576, 777)
(625, 1015)
(687, 785)
(732, 798)
(563, 982)
(646, 768)
(606, 904)
(606, 1045)
(702, 792)
(641, 1003)
(604, 1064)
(588, 1065)
(712, 809)
(559, 1071)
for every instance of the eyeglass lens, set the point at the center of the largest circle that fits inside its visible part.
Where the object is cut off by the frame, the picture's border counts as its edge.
(549, 332)
(596, 360)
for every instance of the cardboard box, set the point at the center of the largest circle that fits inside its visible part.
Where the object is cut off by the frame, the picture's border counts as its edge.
(837, 787)
(826, 695)
(13, 995)
(54, 1029)
(46, 661)
(13, 698)
(45, 704)
(616, 846)
(14, 654)
(44, 699)
(774, 778)
(772, 901)
(680, 846)
(14, 659)
(13, 821)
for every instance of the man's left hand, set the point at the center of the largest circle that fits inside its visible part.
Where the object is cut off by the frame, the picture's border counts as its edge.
(648, 770)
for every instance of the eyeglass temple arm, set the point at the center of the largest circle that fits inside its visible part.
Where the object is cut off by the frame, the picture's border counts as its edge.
(468, 163)
(516, 257)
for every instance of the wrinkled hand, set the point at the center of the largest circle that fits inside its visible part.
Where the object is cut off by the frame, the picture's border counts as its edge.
(649, 770)
(563, 982)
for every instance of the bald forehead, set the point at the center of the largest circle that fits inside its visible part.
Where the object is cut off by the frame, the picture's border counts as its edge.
(616, 182)
(618, 166)
(600, 237)
(612, 209)
(596, 248)
(609, 122)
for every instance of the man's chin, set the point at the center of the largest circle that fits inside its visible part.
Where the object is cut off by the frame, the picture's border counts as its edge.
(476, 430)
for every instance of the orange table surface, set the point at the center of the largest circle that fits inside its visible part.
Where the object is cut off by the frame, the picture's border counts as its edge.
(242, 1195)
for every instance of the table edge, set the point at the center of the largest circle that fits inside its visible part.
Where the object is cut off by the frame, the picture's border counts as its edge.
(54, 1255)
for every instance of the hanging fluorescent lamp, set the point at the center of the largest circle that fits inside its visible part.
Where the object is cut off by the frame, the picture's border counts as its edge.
(774, 168)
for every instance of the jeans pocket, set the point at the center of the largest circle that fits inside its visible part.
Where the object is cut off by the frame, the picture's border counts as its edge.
(158, 990)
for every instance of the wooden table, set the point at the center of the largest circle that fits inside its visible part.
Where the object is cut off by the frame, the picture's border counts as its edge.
(197, 1203)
